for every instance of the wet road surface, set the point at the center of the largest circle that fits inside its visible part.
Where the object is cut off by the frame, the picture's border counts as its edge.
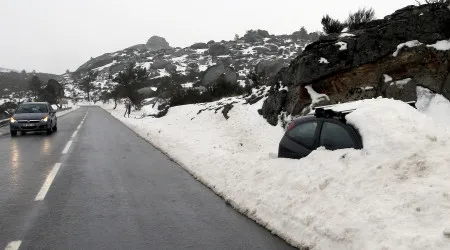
(95, 184)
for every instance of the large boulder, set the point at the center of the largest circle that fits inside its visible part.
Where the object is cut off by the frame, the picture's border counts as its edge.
(217, 49)
(157, 43)
(353, 66)
(159, 64)
(199, 46)
(266, 70)
(269, 68)
(262, 50)
(146, 92)
(213, 73)
(170, 68)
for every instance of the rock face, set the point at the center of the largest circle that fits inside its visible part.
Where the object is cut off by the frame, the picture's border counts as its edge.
(380, 58)
(157, 43)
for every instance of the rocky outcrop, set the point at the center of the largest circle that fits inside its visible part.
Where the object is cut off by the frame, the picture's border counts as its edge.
(157, 43)
(387, 57)
(170, 68)
(215, 72)
(266, 70)
(199, 46)
(146, 92)
(159, 64)
(187, 66)
(217, 49)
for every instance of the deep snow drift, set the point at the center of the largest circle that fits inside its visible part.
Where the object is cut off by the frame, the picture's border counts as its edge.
(393, 194)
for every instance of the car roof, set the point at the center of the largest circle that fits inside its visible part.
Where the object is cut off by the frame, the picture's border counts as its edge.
(306, 118)
(336, 111)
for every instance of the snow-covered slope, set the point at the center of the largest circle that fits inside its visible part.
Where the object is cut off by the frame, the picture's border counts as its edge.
(242, 54)
(393, 194)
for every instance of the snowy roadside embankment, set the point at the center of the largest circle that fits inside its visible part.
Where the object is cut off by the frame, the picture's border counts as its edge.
(393, 194)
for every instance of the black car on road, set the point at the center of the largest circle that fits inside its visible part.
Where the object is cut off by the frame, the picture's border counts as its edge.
(33, 116)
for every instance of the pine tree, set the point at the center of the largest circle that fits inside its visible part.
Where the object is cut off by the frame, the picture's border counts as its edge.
(129, 81)
(86, 84)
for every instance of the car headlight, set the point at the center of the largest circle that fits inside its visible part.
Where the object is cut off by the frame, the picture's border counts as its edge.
(45, 119)
(12, 120)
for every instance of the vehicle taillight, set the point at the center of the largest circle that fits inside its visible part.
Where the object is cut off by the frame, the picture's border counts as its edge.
(291, 126)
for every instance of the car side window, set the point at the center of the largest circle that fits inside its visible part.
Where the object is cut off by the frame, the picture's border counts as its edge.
(304, 133)
(334, 136)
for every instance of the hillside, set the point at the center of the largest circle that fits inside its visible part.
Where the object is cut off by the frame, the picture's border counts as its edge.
(14, 84)
(257, 51)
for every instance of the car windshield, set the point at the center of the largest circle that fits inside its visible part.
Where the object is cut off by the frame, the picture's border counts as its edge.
(32, 108)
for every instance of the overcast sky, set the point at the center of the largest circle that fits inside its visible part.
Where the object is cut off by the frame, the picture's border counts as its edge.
(55, 35)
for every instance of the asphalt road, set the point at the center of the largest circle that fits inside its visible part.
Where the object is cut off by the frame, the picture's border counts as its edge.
(94, 184)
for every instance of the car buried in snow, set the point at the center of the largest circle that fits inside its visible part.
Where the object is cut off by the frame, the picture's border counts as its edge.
(325, 127)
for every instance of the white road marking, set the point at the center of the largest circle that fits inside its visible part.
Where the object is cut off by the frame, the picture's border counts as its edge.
(66, 149)
(74, 133)
(13, 245)
(48, 182)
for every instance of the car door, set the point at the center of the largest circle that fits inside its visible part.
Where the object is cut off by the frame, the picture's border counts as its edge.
(335, 135)
(299, 141)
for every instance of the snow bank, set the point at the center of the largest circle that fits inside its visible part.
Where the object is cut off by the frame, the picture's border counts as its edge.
(187, 85)
(323, 60)
(343, 46)
(441, 45)
(401, 83)
(315, 97)
(151, 109)
(346, 35)
(387, 78)
(409, 44)
(393, 194)
(434, 105)
(105, 66)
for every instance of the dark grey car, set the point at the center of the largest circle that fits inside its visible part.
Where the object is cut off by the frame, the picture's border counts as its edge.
(33, 116)
(327, 130)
